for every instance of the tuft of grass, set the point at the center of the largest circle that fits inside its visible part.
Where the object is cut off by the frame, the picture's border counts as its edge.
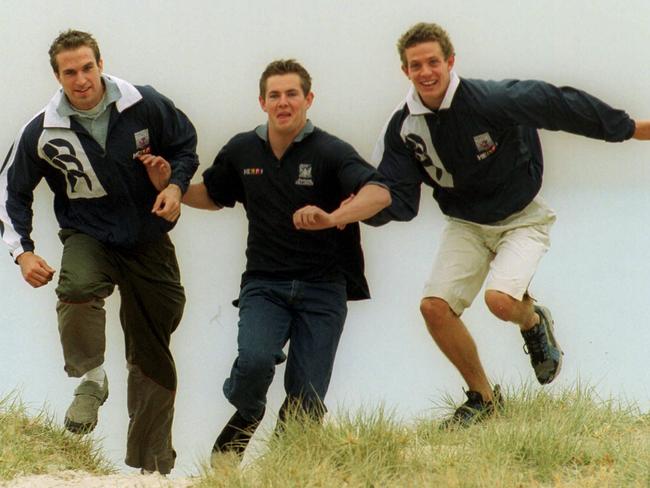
(36, 445)
(565, 439)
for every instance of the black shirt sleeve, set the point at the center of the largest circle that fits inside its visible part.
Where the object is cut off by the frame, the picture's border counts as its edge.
(222, 180)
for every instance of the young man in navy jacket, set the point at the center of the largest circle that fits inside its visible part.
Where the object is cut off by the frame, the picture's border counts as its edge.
(475, 143)
(86, 144)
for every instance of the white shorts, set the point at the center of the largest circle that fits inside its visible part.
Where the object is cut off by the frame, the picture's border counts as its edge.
(507, 253)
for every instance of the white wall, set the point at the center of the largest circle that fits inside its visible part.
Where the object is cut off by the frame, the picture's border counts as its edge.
(207, 56)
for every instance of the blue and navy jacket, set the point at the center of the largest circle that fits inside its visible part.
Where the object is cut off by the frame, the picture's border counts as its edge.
(103, 193)
(480, 152)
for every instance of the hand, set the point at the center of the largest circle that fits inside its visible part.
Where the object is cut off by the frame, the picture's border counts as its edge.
(168, 203)
(158, 169)
(35, 269)
(312, 217)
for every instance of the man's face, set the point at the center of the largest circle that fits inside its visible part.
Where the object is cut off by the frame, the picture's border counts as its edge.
(428, 70)
(286, 104)
(80, 77)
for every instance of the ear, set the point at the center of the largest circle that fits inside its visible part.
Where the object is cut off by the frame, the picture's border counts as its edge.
(450, 61)
(100, 65)
(405, 70)
(262, 103)
(310, 99)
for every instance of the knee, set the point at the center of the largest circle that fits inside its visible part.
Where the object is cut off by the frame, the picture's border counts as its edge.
(255, 364)
(81, 290)
(436, 312)
(75, 293)
(500, 304)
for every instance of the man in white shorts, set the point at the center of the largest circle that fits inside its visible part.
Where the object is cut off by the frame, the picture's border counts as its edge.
(475, 143)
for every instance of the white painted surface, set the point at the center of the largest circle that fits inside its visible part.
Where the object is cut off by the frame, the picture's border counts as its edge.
(207, 57)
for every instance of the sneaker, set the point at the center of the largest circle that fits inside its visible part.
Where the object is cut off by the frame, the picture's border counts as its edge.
(236, 434)
(474, 410)
(545, 353)
(146, 472)
(81, 416)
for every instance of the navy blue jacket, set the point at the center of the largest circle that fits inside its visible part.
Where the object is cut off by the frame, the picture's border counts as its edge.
(103, 193)
(480, 152)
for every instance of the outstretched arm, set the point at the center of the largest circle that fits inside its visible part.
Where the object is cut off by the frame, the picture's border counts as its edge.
(197, 196)
(642, 130)
(159, 172)
(370, 200)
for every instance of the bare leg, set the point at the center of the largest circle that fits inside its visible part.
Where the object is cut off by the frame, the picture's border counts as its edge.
(509, 309)
(454, 340)
(541, 345)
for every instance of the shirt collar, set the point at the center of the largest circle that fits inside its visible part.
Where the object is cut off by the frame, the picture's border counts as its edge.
(123, 93)
(112, 94)
(262, 131)
(415, 105)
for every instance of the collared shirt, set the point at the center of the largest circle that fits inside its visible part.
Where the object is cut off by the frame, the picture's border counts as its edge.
(317, 169)
(94, 120)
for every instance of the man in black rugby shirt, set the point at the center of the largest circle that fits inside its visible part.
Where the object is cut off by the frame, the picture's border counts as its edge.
(302, 264)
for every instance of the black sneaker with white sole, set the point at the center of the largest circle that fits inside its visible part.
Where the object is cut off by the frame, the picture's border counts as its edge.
(474, 410)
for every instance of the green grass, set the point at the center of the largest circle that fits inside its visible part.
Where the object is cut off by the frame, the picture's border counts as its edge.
(570, 439)
(36, 445)
(541, 439)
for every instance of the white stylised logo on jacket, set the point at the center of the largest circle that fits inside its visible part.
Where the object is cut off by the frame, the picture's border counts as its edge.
(62, 149)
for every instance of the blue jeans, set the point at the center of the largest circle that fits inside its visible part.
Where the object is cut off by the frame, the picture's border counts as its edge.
(308, 315)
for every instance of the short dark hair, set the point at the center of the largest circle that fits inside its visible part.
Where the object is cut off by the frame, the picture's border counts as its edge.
(423, 32)
(69, 40)
(285, 67)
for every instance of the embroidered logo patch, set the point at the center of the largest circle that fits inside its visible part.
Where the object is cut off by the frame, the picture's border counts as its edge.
(253, 171)
(304, 175)
(141, 143)
(485, 146)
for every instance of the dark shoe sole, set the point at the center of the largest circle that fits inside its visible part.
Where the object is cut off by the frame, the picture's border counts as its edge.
(550, 331)
(474, 416)
(81, 429)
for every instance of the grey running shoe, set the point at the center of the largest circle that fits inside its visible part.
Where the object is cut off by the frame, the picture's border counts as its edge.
(474, 410)
(545, 353)
(81, 417)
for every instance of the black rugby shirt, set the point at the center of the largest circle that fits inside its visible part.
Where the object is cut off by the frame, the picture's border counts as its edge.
(317, 169)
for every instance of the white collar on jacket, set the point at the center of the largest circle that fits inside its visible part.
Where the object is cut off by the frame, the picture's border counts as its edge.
(415, 105)
(129, 95)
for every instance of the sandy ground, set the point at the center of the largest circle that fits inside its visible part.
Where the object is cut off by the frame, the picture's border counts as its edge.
(79, 479)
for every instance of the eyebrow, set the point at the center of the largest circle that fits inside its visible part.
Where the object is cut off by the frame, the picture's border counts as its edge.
(85, 66)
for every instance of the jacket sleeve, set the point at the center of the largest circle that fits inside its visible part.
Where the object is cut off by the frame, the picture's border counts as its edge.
(19, 175)
(178, 142)
(401, 174)
(544, 106)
